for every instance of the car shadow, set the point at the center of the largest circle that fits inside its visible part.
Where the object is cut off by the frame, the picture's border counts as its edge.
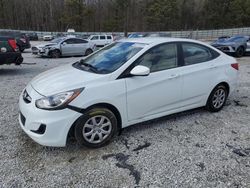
(159, 121)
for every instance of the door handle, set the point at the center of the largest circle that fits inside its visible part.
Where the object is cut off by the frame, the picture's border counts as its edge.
(213, 67)
(173, 76)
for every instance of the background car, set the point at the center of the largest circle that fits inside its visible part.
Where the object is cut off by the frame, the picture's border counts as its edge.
(9, 52)
(48, 37)
(64, 47)
(236, 45)
(32, 36)
(22, 40)
(101, 40)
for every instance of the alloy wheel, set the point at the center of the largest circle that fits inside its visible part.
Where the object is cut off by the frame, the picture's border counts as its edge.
(97, 129)
(219, 98)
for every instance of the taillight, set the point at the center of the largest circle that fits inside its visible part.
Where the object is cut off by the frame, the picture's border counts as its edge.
(12, 43)
(235, 66)
(23, 40)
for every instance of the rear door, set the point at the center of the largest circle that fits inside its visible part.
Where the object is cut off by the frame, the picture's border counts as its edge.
(80, 46)
(198, 72)
(103, 40)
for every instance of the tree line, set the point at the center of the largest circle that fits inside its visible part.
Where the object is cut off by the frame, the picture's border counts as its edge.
(123, 15)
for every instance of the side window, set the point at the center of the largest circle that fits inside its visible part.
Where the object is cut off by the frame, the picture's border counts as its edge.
(160, 58)
(102, 37)
(95, 38)
(109, 37)
(70, 41)
(80, 41)
(195, 53)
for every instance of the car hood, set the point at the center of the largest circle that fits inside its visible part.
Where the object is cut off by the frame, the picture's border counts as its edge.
(46, 45)
(63, 78)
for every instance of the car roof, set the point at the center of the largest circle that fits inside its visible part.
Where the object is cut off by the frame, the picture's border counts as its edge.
(157, 40)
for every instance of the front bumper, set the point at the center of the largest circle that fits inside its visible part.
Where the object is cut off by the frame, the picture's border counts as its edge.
(40, 52)
(48, 128)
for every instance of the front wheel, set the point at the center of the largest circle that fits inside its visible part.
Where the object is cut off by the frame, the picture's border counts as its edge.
(217, 98)
(240, 52)
(55, 54)
(96, 127)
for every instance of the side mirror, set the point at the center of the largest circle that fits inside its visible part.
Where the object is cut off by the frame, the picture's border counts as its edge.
(140, 70)
(64, 43)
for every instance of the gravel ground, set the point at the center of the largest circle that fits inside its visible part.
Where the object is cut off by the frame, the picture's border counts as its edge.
(191, 149)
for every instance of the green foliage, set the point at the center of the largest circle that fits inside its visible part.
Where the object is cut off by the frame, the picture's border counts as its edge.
(124, 15)
(162, 14)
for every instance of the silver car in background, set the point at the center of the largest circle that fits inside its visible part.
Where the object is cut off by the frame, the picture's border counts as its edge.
(236, 45)
(65, 46)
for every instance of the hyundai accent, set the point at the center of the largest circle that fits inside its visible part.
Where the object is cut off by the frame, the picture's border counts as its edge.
(127, 82)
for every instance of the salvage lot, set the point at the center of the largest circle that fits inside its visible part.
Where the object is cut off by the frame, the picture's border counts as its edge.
(190, 149)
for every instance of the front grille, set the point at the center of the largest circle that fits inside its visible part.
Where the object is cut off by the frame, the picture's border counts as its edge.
(23, 119)
(26, 97)
(224, 48)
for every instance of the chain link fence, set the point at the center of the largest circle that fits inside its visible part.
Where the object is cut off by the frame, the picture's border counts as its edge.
(193, 34)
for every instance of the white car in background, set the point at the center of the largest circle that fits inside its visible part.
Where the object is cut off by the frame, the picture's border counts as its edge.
(47, 37)
(65, 46)
(127, 82)
(101, 40)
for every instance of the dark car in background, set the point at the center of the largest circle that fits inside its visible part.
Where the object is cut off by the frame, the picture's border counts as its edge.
(236, 45)
(22, 40)
(9, 52)
(32, 36)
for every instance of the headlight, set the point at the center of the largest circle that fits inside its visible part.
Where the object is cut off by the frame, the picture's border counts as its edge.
(46, 48)
(57, 101)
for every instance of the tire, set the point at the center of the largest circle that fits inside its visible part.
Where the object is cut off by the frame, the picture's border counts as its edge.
(20, 49)
(88, 52)
(217, 98)
(240, 52)
(55, 54)
(90, 133)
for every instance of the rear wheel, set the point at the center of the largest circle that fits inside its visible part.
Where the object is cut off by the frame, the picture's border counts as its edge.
(55, 54)
(240, 52)
(88, 52)
(217, 98)
(96, 127)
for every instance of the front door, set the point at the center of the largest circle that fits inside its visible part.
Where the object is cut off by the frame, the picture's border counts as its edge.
(158, 92)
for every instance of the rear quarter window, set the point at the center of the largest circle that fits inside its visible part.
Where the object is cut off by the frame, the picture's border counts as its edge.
(196, 53)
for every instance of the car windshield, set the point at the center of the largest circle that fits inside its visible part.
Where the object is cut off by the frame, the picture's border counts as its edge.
(57, 40)
(135, 35)
(110, 58)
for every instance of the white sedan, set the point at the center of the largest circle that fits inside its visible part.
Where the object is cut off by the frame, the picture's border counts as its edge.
(127, 82)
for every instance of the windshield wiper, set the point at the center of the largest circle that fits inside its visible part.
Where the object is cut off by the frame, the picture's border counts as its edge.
(91, 67)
